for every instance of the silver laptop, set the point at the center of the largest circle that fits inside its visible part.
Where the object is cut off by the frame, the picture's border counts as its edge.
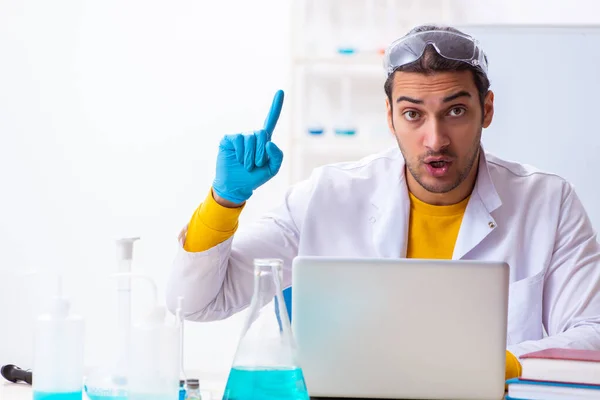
(401, 329)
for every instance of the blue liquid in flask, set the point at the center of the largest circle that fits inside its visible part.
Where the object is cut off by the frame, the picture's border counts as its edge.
(106, 397)
(105, 393)
(265, 384)
(57, 395)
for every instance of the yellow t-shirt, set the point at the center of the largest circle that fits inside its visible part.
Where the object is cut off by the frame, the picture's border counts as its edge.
(433, 230)
(432, 234)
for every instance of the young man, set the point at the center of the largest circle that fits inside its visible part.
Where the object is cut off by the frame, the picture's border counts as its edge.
(438, 195)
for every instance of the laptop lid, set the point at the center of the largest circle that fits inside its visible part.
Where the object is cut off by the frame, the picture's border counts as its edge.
(404, 328)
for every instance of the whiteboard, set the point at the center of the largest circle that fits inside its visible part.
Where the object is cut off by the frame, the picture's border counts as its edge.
(546, 81)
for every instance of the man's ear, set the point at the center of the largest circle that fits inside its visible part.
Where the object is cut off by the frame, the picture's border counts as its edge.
(488, 109)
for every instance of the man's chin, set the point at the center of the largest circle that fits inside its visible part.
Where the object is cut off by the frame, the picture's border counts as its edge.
(438, 185)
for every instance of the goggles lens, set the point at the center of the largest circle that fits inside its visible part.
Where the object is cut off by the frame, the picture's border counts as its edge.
(450, 45)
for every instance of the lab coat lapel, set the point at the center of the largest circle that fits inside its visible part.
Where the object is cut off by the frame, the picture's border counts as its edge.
(478, 222)
(390, 212)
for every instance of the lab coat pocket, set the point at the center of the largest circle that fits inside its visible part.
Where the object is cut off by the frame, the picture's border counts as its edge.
(525, 309)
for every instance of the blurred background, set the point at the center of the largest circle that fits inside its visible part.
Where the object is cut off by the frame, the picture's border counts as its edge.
(111, 113)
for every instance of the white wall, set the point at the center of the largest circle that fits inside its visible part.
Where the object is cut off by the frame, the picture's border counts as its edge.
(529, 11)
(110, 116)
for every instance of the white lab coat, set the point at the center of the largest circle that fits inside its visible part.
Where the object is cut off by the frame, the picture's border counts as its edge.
(531, 219)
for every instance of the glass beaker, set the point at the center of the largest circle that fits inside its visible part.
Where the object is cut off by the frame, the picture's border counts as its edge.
(193, 390)
(265, 365)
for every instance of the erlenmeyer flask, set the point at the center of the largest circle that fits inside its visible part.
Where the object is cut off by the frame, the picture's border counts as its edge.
(265, 365)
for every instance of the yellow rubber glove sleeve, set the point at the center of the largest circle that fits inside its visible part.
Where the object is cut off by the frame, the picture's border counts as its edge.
(210, 225)
(513, 366)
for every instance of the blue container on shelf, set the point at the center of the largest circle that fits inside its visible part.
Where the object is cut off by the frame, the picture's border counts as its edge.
(316, 130)
(346, 50)
(347, 131)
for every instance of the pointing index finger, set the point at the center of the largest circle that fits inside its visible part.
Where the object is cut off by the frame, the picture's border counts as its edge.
(274, 112)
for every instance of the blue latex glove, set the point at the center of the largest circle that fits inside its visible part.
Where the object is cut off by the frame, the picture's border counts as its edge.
(247, 161)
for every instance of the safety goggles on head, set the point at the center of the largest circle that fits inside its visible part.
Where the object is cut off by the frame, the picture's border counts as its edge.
(450, 45)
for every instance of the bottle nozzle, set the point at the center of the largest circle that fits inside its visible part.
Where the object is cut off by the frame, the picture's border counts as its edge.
(125, 248)
(60, 304)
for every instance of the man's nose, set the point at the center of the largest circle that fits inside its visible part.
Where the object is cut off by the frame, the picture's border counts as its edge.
(435, 138)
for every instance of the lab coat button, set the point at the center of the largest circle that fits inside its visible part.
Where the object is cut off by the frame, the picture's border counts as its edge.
(372, 220)
(491, 225)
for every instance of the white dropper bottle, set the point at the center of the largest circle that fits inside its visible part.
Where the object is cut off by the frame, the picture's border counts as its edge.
(155, 353)
(58, 351)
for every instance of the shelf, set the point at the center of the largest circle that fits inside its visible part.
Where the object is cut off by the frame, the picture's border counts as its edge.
(363, 64)
(332, 88)
(332, 69)
(351, 145)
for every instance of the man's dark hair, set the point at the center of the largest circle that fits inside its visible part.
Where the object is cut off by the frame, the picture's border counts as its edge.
(431, 62)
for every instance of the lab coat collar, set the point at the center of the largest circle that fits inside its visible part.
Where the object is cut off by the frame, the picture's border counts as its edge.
(390, 212)
(484, 186)
(478, 222)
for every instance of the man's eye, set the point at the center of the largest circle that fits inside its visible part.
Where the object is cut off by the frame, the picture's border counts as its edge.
(411, 115)
(457, 111)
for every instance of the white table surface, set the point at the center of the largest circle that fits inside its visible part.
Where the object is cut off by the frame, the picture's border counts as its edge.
(11, 391)
(211, 390)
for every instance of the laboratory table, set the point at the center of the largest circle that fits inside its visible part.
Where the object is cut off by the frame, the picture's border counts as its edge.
(212, 391)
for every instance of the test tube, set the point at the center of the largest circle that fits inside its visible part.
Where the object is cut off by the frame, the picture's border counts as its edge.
(124, 260)
(180, 320)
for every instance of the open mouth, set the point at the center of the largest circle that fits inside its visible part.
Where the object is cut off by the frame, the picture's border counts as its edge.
(438, 168)
(438, 164)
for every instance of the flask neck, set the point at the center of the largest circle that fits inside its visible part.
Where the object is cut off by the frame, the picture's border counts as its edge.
(267, 281)
(267, 340)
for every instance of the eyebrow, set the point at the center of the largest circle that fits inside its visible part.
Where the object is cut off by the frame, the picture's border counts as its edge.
(462, 93)
(409, 99)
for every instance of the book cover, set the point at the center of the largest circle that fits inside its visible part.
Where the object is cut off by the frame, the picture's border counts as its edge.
(556, 384)
(520, 389)
(565, 354)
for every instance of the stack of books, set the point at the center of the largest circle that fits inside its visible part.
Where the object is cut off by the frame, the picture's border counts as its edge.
(557, 374)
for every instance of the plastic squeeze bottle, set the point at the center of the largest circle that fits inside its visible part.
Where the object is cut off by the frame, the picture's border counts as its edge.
(58, 352)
